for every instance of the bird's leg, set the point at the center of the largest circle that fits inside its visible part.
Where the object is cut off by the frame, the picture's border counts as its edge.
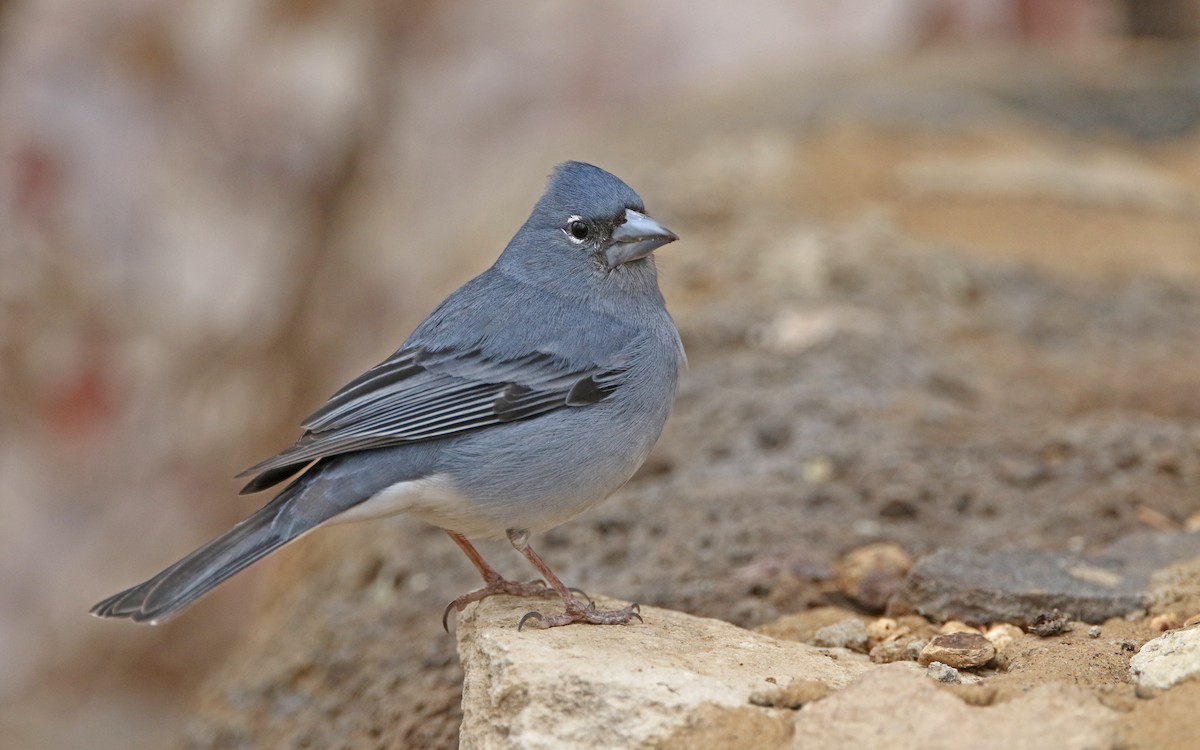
(494, 583)
(577, 611)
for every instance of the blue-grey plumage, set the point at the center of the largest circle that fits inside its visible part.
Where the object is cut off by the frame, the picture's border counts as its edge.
(530, 394)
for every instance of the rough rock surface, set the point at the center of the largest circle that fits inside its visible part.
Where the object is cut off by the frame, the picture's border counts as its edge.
(899, 702)
(1168, 659)
(683, 681)
(958, 650)
(631, 686)
(1021, 585)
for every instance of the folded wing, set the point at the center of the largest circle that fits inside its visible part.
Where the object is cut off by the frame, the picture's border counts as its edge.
(419, 394)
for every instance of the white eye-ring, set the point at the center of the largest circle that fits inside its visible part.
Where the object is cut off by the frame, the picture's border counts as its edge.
(577, 230)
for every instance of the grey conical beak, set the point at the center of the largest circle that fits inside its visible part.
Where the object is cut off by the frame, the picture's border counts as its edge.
(636, 238)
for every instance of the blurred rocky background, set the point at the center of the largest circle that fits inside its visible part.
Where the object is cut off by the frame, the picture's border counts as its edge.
(215, 213)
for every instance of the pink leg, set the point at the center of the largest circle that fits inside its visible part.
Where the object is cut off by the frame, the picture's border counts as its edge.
(576, 611)
(494, 583)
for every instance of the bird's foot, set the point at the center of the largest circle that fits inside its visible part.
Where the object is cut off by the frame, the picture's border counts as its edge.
(577, 611)
(493, 587)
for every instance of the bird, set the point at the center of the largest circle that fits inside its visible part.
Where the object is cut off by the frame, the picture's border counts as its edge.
(529, 395)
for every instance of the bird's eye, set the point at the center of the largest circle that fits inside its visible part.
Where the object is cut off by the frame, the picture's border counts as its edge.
(578, 229)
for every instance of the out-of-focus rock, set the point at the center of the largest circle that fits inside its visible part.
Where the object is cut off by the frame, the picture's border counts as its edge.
(1168, 659)
(1018, 586)
(890, 651)
(870, 575)
(956, 626)
(1003, 635)
(796, 694)
(1165, 621)
(896, 706)
(628, 686)
(884, 629)
(958, 650)
(803, 626)
(1101, 182)
(850, 633)
(1012, 586)
(1176, 588)
(939, 672)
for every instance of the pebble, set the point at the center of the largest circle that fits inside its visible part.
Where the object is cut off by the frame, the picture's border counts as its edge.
(912, 652)
(884, 629)
(795, 695)
(1002, 635)
(1094, 631)
(1165, 621)
(944, 673)
(896, 650)
(850, 633)
(1050, 623)
(958, 650)
(1167, 659)
(956, 626)
(871, 574)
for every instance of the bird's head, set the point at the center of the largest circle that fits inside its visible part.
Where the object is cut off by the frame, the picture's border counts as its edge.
(589, 217)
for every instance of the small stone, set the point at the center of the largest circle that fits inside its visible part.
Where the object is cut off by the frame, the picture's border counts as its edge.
(896, 650)
(1050, 623)
(944, 673)
(888, 652)
(959, 650)
(1164, 622)
(956, 626)
(850, 633)
(884, 629)
(912, 652)
(1167, 659)
(1002, 635)
(796, 694)
(1094, 631)
(871, 574)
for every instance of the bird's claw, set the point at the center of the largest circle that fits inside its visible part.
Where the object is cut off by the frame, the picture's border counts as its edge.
(577, 612)
(529, 616)
(500, 586)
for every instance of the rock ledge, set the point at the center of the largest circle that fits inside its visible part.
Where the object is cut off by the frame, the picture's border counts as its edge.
(683, 681)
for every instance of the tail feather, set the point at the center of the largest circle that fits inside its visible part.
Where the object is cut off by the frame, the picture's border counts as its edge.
(166, 594)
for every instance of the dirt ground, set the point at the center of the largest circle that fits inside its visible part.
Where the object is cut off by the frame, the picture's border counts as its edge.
(975, 327)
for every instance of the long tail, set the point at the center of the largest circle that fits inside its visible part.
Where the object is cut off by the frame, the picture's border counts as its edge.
(167, 593)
